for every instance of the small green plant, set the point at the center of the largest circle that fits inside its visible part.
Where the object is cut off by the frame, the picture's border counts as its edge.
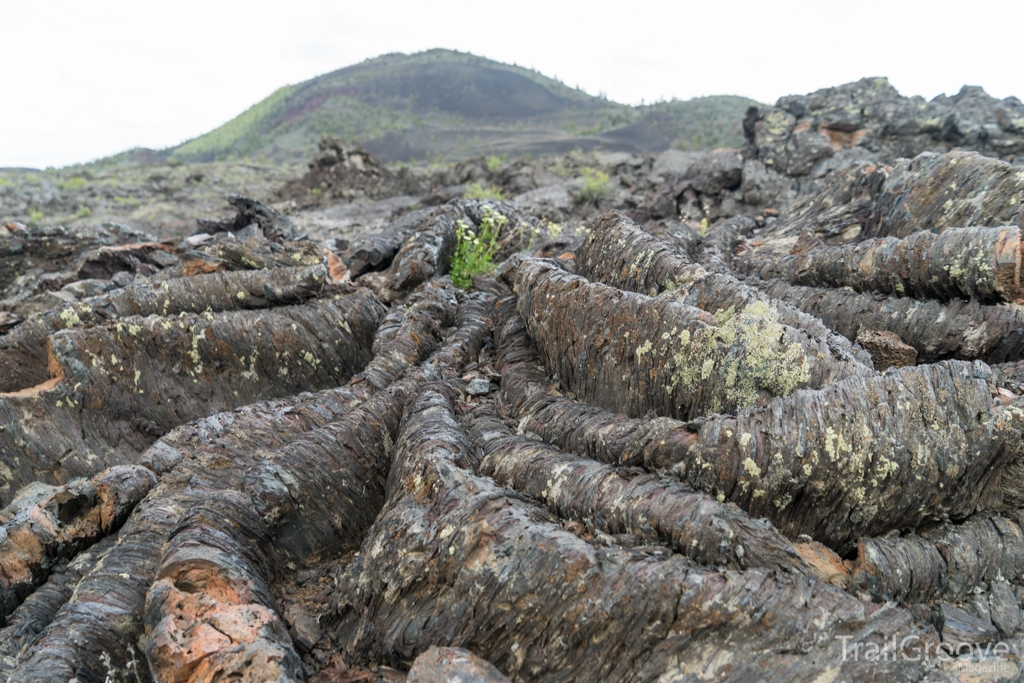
(495, 161)
(83, 212)
(115, 674)
(475, 250)
(35, 216)
(76, 183)
(575, 129)
(555, 229)
(477, 191)
(534, 232)
(595, 186)
(560, 170)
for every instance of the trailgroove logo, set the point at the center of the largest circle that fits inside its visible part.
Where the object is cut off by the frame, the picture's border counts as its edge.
(987, 658)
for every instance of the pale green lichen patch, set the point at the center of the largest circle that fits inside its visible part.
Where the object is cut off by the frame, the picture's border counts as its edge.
(642, 349)
(747, 350)
(777, 122)
(956, 268)
(193, 352)
(886, 467)
(723, 317)
(69, 317)
(836, 446)
(981, 261)
(751, 467)
(783, 502)
(251, 372)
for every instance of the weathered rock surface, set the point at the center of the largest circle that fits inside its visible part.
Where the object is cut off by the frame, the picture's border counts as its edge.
(870, 119)
(712, 418)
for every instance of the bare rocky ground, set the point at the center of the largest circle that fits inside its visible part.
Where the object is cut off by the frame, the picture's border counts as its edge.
(737, 415)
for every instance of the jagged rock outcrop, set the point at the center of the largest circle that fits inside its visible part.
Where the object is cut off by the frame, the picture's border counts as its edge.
(341, 171)
(262, 220)
(870, 119)
(798, 146)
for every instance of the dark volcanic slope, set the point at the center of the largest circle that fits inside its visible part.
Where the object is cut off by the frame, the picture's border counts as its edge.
(451, 104)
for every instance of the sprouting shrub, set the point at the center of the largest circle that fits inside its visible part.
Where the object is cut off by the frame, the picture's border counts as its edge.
(530, 236)
(83, 212)
(115, 674)
(477, 191)
(35, 216)
(595, 186)
(495, 161)
(475, 249)
(71, 184)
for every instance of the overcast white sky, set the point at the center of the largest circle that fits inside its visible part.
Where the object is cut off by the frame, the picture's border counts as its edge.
(81, 80)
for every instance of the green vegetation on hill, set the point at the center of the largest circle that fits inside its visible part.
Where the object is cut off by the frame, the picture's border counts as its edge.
(706, 122)
(240, 130)
(699, 124)
(441, 104)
